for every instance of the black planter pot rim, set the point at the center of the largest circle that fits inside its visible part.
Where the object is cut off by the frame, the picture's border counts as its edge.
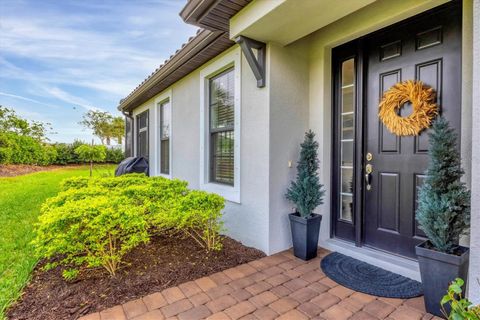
(423, 251)
(297, 217)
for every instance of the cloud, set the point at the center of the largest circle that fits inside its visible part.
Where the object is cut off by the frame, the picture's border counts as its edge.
(69, 98)
(84, 53)
(6, 94)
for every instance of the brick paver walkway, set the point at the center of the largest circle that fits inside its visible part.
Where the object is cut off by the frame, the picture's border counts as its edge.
(275, 287)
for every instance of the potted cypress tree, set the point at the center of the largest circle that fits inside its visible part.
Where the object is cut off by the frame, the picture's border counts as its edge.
(306, 193)
(443, 213)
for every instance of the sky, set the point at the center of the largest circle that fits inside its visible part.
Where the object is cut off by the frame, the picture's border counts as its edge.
(61, 58)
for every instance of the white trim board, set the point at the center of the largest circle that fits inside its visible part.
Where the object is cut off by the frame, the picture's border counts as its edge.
(230, 59)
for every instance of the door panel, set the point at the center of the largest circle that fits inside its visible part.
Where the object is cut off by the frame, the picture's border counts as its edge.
(425, 48)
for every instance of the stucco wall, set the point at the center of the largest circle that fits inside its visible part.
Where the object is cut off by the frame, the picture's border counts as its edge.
(273, 120)
(186, 129)
(288, 123)
(246, 221)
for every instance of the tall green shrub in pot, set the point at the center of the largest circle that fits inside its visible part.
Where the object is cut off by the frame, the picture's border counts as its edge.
(306, 192)
(443, 214)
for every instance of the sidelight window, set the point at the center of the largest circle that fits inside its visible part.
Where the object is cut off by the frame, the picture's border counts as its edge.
(347, 138)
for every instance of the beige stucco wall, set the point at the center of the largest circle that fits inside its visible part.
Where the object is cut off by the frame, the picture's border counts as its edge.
(273, 120)
(246, 221)
(288, 121)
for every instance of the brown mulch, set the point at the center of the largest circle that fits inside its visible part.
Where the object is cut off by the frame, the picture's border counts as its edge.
(164, 262)
(12, 170)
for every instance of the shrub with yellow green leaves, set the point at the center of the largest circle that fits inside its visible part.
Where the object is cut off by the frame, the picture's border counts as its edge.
(199, 216)
(94, 222)
(86, 229)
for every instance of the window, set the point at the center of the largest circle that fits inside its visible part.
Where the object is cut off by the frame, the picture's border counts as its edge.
(347, 138)
(142, 134)
(222, 127)
(165, 122)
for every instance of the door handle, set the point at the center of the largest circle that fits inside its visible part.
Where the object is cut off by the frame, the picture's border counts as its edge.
(368, 176)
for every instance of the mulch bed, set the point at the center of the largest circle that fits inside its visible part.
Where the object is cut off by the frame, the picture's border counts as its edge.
(12, 170)
(164, 262)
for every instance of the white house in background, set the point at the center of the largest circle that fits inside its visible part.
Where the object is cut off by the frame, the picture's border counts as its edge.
(227, 113)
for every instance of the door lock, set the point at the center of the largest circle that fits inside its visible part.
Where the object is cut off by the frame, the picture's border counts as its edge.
(368, 176)
(369, 156)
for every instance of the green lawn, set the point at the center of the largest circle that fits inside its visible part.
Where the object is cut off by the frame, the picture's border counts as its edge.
(20, 201)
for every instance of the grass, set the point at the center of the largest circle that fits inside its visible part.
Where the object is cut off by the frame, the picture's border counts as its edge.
(20, 201)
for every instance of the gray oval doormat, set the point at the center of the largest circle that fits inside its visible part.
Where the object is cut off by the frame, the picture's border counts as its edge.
(363, 277)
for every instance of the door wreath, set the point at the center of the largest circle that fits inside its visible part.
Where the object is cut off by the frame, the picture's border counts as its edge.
(422, 98)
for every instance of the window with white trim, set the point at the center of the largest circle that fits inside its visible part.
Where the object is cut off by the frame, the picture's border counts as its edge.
(142, 134)
(222, 127)
(165, 122)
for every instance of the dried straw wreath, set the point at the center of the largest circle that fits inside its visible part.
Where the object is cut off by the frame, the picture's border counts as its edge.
(422, 98)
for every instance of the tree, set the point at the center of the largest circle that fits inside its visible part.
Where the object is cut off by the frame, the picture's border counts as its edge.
(118, 129)
(104, 125)
(307, 192)
(91, 153)
(444, 202)
(11, 122)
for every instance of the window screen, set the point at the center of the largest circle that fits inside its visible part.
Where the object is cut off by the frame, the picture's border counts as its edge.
(142, 134)
(222, 116)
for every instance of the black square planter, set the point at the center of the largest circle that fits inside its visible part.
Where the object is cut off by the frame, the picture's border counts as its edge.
(305, 235)
(438, 270)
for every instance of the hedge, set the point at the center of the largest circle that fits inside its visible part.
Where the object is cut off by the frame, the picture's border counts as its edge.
(21, 149)
(94, 222)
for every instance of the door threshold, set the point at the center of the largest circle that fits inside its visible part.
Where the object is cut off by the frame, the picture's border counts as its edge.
(400, 265)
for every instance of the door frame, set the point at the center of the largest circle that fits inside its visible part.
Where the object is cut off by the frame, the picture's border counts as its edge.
(356, 49)
(352, 49)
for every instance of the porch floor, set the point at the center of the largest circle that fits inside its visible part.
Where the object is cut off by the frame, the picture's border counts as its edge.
(275, 287)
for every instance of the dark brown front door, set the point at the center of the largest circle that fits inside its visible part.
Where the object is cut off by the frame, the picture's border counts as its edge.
(428, 48)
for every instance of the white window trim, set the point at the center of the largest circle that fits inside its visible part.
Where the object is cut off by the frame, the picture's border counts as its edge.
(230, 59)
(161, 98)
(135, 114)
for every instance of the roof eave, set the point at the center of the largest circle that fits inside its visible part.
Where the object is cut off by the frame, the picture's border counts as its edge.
(202, 40)
(194, 10)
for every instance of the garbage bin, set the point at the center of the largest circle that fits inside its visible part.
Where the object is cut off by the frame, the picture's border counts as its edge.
(132, 165)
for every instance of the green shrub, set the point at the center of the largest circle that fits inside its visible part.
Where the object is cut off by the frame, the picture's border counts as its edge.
(114, 155)
(89, 230)
(79, 222)
(18, 149)
(444, 202)
(89, 153)
(460, 307)
(5, 149)
(199, 216)
(66, 152)
(48, 155)
(74, 183)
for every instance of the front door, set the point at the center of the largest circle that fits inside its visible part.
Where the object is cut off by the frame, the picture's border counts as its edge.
(426, 48)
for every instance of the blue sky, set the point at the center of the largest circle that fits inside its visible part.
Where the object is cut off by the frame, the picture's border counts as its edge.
(60, 58)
